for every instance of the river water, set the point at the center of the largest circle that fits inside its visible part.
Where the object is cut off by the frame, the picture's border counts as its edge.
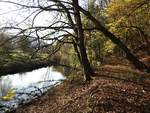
(26, 86)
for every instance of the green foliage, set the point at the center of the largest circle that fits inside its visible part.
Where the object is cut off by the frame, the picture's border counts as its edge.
(108, 47)
(67, 56)
(16, 55)
(127, 18)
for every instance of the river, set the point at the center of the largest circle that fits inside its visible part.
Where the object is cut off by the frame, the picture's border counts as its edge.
(24, 87)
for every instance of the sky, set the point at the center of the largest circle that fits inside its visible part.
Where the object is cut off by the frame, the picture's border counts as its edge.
(5, 10)
(10, 13)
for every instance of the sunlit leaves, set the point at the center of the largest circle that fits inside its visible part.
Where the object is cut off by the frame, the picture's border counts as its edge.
(126, 17)
(108, 47)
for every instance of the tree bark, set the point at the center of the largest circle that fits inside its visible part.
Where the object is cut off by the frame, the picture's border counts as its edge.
(146, 39)
(88, 71)
(133, 59)
(77, 51)
(79, 45)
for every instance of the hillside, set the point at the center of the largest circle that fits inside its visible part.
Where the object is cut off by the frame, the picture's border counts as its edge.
(123, 91)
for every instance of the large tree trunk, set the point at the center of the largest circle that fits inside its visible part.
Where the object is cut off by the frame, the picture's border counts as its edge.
(133, 59)
(88, 71)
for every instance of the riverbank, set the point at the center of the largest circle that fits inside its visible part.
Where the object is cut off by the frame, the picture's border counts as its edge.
(23, 66)
(17, 61)
(113, 90)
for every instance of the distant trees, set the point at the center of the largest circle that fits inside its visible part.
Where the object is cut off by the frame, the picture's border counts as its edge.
(24, 44)
(6, 44)
(21, 43)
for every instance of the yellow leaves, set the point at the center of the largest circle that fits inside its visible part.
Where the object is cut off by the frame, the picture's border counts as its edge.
(108, 47)
(9, 95)
(114, 8)
(118, 8)
(122, 14)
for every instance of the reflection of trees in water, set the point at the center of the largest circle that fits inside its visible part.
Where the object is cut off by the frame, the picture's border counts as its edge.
(5, 85)
(48, 74)
(67, 71)
(22, 75)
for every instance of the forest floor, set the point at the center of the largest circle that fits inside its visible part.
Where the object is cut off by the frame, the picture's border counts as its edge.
(115, 89)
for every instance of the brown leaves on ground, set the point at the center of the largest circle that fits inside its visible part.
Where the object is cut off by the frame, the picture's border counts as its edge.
(102, 95)
(146, 60)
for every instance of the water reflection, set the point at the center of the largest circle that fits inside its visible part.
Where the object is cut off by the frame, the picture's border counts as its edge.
(24, 80)
(5, 85)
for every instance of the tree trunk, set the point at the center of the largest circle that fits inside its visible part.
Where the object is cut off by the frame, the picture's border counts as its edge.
(146, 39)
(133, 59)
(77, 51)
(88, 71)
